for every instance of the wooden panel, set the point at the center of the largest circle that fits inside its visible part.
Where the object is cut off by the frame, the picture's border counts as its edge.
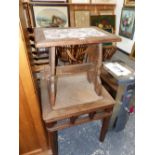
(32, 135)
(94, 9)
(28, 138)
(78, 122)
(71, 69)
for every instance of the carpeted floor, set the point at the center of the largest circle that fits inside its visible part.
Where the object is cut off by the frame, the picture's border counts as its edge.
(83, 139)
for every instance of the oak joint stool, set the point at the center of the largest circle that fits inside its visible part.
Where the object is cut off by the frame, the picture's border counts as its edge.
(73, 94)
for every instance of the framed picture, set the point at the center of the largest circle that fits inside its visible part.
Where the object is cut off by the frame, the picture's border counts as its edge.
(129, 3)
(110, 30)
(82, 18)
(127, 23)
(105, 22)
(56, 1)
(50, 15)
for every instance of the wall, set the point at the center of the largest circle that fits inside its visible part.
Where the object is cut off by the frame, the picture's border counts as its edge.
(126, 44)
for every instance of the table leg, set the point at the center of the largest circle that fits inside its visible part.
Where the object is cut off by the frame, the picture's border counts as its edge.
(105, 124)
(52, 75)
(98, 83)
(91, 58)
(53, 142)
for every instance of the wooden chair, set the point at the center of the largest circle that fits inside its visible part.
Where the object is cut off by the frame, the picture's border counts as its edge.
(73, 94)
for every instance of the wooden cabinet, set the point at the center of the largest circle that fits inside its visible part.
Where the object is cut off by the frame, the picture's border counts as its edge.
(32, 136)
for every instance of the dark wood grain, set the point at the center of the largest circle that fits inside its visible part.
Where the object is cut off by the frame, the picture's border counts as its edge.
(105, 124)
(53, 141)
(78, 122)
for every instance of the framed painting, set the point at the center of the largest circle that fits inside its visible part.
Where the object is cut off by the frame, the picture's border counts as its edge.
(110, 30)
(127, 23)
(50, 15)
(82, 18)
(105, 22)
(129, 3)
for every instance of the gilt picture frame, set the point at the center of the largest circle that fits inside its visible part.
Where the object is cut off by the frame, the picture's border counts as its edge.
(82, 18)
(45, 15)
(127, 23)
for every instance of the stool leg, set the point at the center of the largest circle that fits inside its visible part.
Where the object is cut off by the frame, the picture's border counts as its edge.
(53, 142)
(105, 123)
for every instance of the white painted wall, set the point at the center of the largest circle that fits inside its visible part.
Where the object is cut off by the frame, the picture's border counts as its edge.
(126, 44)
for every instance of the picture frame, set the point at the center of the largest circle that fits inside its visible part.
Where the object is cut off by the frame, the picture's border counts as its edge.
(129, 3)
(82, 18)
(110, 30)
(50, 15)
(104, 22)
(127, 23)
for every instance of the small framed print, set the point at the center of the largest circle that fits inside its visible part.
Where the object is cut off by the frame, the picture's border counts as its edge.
(82, 18)
(127, 23)
(129, 3)
(51, 15)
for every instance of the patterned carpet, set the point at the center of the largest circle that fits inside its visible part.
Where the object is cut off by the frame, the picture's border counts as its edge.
(83, 140)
